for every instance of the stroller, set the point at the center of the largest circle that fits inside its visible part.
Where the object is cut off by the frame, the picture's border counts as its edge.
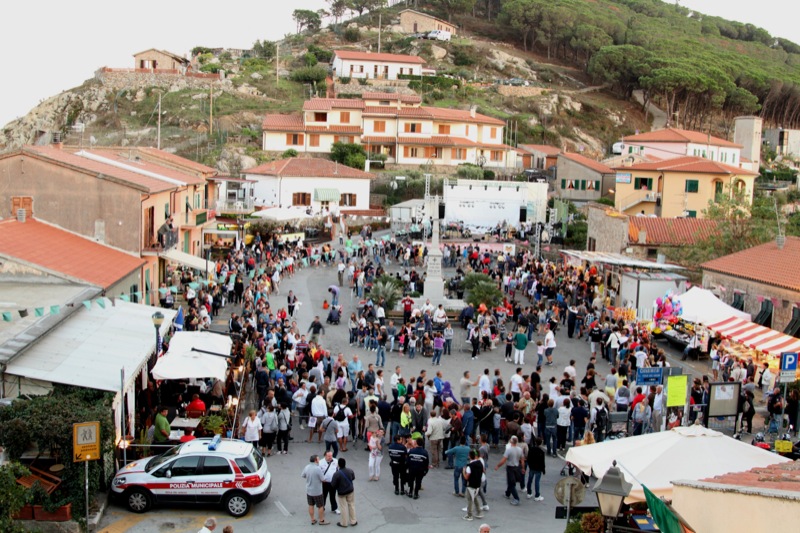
(334, 315)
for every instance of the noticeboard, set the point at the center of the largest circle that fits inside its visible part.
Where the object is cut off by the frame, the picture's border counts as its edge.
(85, 441)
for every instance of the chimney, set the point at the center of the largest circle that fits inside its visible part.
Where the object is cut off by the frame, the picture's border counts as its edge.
(642, 236)
(780, 240)
(472, 110)
(21, 215)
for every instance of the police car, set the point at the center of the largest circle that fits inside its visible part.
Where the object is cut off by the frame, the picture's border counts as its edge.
(202, 471)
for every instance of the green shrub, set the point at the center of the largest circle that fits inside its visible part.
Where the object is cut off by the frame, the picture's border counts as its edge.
(345, 80)
(363, 81)
(213, 68)
(462, 57)
(488, 174)
(310, 59)
(254, 63)
(350, 154)
(469, 171)
(291, 152)
(315, 74)
(225, 56)
(324, 56)
(352, 35)
(197, 50)
(205, 58)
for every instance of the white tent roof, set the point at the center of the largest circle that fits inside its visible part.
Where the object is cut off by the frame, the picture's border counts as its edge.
(89, 349)
(618, 260)
(189, 260)
(656, 459)
(282, 214)
(702, 307)
(182, 362)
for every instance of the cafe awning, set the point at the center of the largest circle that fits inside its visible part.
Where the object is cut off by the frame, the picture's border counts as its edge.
(757, 337)
(326, 195)
(194, 354)
(188, 260)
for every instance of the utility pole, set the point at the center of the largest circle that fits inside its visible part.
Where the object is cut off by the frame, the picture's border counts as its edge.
(379, 32)
(210, 110)
(158, 130)
(277, 62)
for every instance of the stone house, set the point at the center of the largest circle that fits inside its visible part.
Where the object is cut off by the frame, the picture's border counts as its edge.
(539, 156)
(415, 22)
(763, 280)
(581, 179)
(154, 59)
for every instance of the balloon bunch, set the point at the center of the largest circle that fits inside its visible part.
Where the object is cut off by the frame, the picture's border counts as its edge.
(668, 308)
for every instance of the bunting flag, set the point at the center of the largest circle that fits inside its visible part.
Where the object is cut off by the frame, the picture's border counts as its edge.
(101, 302)
(124, 297)
(55, 309)
(39, 311)
(664, 515)
(261, 271)
(87, 304)
(138, 295)
(173, 289)
(162, 290)
(6, 316)
(194, 285)
(23, 313)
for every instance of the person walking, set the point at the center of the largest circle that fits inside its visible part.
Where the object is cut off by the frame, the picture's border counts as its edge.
(330, 434)
(209, 525)
(284, 423)
(515, 468)
(342, 483)
(375, 455)
(418, 465)
(473, 475)
(549, 344)
(437, 427)
(269, 428)
(461, 454)
(329, 467)
(313, 476)
(398, 455)
(536, 467)
(251, 428)
(520, 343)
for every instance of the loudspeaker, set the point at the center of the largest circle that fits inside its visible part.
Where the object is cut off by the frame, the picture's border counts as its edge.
(523, 214)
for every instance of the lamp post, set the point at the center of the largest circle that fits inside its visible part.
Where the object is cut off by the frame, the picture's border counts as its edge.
(611, 490)
(158, 319)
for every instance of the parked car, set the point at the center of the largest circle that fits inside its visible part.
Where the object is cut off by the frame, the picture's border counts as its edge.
(440, 35)
(202, 471)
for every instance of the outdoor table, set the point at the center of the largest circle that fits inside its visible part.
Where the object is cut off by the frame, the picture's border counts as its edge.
(181, 423)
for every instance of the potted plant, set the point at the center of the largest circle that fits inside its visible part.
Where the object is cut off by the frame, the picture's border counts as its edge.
(47, 508)
(213, 424)
(14, 496)
(592, 523)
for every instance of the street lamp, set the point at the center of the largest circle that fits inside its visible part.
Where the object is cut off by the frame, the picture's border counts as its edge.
(158, 319)
(611, 490)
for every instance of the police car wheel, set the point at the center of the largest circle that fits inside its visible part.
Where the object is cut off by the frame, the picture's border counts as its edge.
(237, 504)
(138, 500)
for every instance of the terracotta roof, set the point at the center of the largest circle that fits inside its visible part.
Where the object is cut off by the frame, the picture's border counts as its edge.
(670, 231)
(407, 112)
(326, 104)
(296, 167)
(132, 159)
(334, 128)
(407, 98)
(283, 123)
(126, 178)
(543, 148)
(65, 253)
(377, 139)
(781, 476)
(461, 115)
(172, 159)
(386, 58)
(675, 135)
(764, 263)
(691, 164)
(597, 166)
(170, 54)
(438, 140)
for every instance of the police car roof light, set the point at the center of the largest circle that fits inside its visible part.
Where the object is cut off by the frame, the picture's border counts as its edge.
(214, 442)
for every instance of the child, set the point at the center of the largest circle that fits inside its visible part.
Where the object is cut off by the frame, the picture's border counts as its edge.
(509, 346)
(539, 352)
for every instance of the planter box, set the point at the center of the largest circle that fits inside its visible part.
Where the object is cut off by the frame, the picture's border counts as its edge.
(62, 514)
(26, 513)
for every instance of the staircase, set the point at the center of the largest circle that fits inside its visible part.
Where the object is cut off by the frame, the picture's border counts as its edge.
(637, 198)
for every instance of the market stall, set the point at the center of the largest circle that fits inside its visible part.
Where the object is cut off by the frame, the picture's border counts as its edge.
(702, 307)
(749, 339)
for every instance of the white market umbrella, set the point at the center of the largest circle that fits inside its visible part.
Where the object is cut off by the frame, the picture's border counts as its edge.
(282, 214)
(658, 459)
(184, 361)
(702, 307)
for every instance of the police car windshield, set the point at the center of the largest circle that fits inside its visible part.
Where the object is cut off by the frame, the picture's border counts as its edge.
(159, 460)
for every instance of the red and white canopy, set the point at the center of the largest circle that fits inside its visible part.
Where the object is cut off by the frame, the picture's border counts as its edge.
(755, 336)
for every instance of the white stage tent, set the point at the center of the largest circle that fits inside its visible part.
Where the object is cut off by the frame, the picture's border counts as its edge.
(702, 307)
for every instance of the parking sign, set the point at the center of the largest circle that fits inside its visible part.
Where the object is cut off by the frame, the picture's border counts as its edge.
(788, 367)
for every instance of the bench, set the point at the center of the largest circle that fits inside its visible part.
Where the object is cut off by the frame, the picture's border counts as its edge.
(48, 482)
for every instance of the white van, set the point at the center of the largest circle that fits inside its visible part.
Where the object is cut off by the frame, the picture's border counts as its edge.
(440, 35)
(617, 148)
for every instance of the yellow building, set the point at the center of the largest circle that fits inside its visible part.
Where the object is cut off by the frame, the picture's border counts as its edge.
(680, 187)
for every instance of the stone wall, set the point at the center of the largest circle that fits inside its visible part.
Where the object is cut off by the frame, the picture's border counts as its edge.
(511, 90)
(126, 79)
(785, 299)
(609, 230)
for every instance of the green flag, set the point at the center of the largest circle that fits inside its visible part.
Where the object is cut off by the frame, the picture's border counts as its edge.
(7, 317)
(664, 516)
(38, 311)
(124, 297)
(101, 303)
(55, 309)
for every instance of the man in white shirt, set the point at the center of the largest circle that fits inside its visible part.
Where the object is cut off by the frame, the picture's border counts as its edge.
(319, 410)
(440, 316)
(570, 369)
(516, 381)
(394, 380)
(658, 408)
(549, 344)
(485, 383)
(427, 307)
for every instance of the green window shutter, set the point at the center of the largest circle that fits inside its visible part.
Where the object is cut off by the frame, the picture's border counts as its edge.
(597, 185)
(583, 185)
(563, 184)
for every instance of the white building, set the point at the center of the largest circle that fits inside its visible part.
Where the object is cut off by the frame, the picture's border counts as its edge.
(368, 65)
(670, 143)
(316, 183)
(783, 142)
(395, 125)
(483, 204)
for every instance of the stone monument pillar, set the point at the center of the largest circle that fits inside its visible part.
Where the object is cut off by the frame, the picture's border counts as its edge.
(434, 283)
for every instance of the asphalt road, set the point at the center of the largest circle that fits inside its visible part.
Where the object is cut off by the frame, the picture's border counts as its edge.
(377, 507)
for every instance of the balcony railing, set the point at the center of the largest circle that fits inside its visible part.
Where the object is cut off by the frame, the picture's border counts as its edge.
(244, 205)
(637, 198)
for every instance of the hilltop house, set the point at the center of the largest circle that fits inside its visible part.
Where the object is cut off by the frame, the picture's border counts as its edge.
(678, 187)
(394, 125)
(311, 182)
(415, 22)
(582, 179)
(539, 156)
(153, 59)
(369, 65)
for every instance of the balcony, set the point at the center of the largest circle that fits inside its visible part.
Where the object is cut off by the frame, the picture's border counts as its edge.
(638, 197)
(239, 206)
(195, 217)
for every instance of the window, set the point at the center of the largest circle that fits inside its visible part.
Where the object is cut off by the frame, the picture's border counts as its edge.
(166, 210)
(444, 129)
(347, 199)
(643, 184)
(320, 117)
(410, 151)
(344, 117)
(347, 139)
(313, 139)
(433, 152)
(496, 155)
(413, 127)
(467, 130)
(493, 133)
(458, 154)
(691, 214)
(184, 466)
(301, 198)
(197, 200)
(379, 126)
(691, 186)
(294, 139)
(216, 466)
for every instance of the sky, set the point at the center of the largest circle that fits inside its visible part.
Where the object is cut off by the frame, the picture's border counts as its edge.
(52, 46)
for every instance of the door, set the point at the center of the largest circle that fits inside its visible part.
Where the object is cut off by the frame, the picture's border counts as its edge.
(187, 236)
(22, 202)
(415, 28)
(177, 480)
(149, 227)
(215, 474)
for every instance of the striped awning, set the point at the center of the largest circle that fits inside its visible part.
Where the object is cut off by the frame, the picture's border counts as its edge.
(757, 337)
(326, 195)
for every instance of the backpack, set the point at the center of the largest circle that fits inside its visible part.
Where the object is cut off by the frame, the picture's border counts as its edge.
(339, 415)
(601, 419)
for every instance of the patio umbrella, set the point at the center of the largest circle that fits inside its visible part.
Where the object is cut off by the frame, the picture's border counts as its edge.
(184, 361)
(657, 459)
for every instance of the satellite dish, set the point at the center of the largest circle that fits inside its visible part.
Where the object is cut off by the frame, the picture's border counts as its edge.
(570, 491)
